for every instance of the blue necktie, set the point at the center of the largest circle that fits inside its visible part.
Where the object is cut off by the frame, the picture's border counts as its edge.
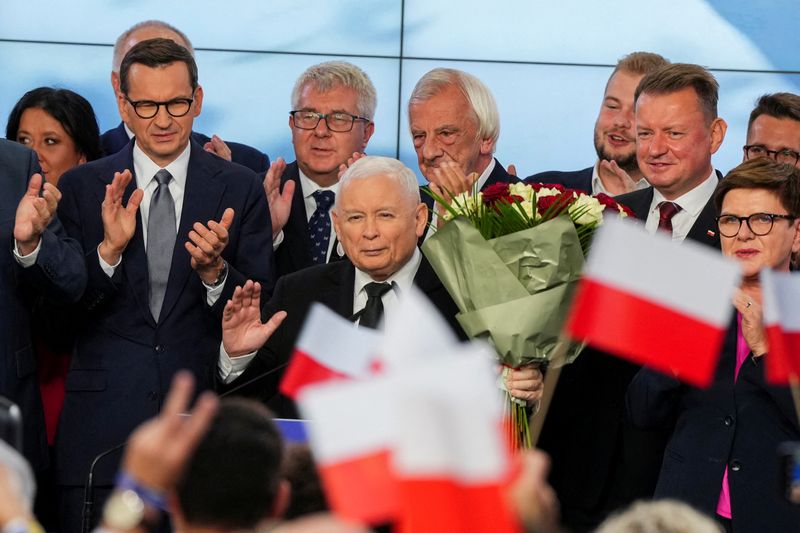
(160, 241)
(319, 226)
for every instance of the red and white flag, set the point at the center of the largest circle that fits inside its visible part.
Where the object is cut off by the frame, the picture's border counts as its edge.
(451, 457)
(781, 308)
(658, 303)
(352, 434)
(329, 347)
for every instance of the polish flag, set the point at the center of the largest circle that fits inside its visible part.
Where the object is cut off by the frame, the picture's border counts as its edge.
(781, 292)
(318, 358)
(658, 303)
(351, 433)
(451, 457)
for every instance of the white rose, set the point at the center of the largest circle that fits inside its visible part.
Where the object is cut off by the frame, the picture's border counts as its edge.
(523, 191)
(586, 210)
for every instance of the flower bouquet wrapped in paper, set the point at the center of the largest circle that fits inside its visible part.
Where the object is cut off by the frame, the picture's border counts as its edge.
(510, 257)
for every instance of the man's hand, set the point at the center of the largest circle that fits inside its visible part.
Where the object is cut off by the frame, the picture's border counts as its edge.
(207, 244)
(280, 203)
(217, 146)
(620, 182)
(526, 383)
(159, 449)
(512, 169)
(449, 177)
(34, 213)
(533, 499)
(119, 223)
(350, 160)
(242, 330)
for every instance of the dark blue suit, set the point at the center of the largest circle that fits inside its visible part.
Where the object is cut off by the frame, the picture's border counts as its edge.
(116, 139)
(578, 179)
(124, 361)
(59, 273)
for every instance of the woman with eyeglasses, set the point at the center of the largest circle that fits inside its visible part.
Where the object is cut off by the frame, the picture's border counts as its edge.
(722, 453)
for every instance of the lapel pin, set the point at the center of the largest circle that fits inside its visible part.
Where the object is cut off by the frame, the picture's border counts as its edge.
(710, 233)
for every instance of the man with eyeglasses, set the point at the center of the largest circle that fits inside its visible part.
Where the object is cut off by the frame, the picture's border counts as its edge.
(774, 129)
(117, 138)
(167, 231)
(333, 105)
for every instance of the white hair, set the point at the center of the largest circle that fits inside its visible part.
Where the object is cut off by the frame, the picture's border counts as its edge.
(663, 516)
(118, 46)
(331, 74)
(484, 107)
(374, 165)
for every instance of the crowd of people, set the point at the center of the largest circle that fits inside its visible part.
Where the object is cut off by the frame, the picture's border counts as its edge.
(154, 253)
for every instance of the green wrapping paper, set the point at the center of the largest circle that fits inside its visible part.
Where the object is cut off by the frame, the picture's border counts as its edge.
(515, 290)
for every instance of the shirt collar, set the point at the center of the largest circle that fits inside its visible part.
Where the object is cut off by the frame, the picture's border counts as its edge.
(145, 169)
(692, 202)
(401, 281)
(309, 186)
(484, 177)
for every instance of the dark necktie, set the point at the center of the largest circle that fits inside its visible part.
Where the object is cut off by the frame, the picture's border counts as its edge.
(667, 210)
(374, 308)
(319, 226)
(160, 241)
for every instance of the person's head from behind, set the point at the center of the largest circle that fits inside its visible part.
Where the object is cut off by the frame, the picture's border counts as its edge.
(142, 31)
(759, 205)
(333, 106)
(233, 480)
(614, 133)
(378, 215)
(59, 125)
(677, 127)
(774, 129)
(453, 117)
(159, 97)
(663, 516)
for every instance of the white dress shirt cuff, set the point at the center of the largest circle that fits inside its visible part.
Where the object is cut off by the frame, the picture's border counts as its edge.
(213, 293)
(108, 269)
(29, 260)
(277, 240)
(231, 368)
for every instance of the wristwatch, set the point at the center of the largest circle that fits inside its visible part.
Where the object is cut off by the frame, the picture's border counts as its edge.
(124, 510)
(223, 273)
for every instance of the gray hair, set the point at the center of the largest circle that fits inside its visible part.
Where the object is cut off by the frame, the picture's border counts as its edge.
(119, 56)
(663, 516)
(374, 165)
(326, 76)
(484, 107)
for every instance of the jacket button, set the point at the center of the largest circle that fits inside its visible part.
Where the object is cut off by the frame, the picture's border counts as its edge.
(736, 466)
(159, 348)
(728, 421)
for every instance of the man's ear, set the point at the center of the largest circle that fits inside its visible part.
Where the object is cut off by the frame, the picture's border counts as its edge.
(487, 146)
(420, 219)
(718, 129)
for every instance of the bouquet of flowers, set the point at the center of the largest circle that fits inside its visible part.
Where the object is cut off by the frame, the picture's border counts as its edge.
(510, 257)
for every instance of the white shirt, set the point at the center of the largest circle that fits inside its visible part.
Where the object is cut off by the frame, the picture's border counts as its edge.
(308, 188)
(691, 204)
(144, 170)
(231, 368)
(598, 187)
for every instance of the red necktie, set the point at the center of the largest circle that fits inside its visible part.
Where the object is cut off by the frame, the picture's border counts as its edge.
(667, 210)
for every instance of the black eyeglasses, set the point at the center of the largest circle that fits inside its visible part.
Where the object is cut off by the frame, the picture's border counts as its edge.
(759, 223)
(177, 107)
(786, 156)
(339, 122)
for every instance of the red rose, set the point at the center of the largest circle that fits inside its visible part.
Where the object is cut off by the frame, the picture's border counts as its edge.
(606, 200)
(553, 206)
(496, 192)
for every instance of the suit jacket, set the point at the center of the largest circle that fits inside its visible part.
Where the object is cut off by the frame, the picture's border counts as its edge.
(294, 253)
(578, 179)
(736, 424)
(331, 284)
(114, 140)
(59, 273)
(124, 361)
(600, 461)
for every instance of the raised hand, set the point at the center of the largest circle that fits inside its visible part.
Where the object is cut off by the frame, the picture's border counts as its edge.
(350, 160)
(242, 330)
(34, 213)
(451, 179)
(119, 223)
(621, 180)
(207, 244)
(512, 169)
(217, 146)
(753, 329)
(280, 203)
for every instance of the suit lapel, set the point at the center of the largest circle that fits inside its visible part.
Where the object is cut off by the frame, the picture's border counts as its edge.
(640, 203)
(704, 229)
(201, 203)
(297, 224)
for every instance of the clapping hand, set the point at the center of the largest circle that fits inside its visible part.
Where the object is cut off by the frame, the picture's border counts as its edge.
(119, 223)
(207, 244)
(280, 202)
(34, 213)
(242, 330)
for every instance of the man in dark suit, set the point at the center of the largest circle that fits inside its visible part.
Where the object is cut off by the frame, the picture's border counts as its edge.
(454, 124)
(333, 104)
(600, 462)
(37, 258)
(117, 138)
(153, 300)
(616, 170)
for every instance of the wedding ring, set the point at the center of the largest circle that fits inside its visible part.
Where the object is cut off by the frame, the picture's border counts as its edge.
(748, 305)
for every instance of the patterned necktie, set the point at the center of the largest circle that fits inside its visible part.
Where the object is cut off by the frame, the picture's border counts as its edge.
(667, 210)
(319, 226)
(160, 241)
(374, 308)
